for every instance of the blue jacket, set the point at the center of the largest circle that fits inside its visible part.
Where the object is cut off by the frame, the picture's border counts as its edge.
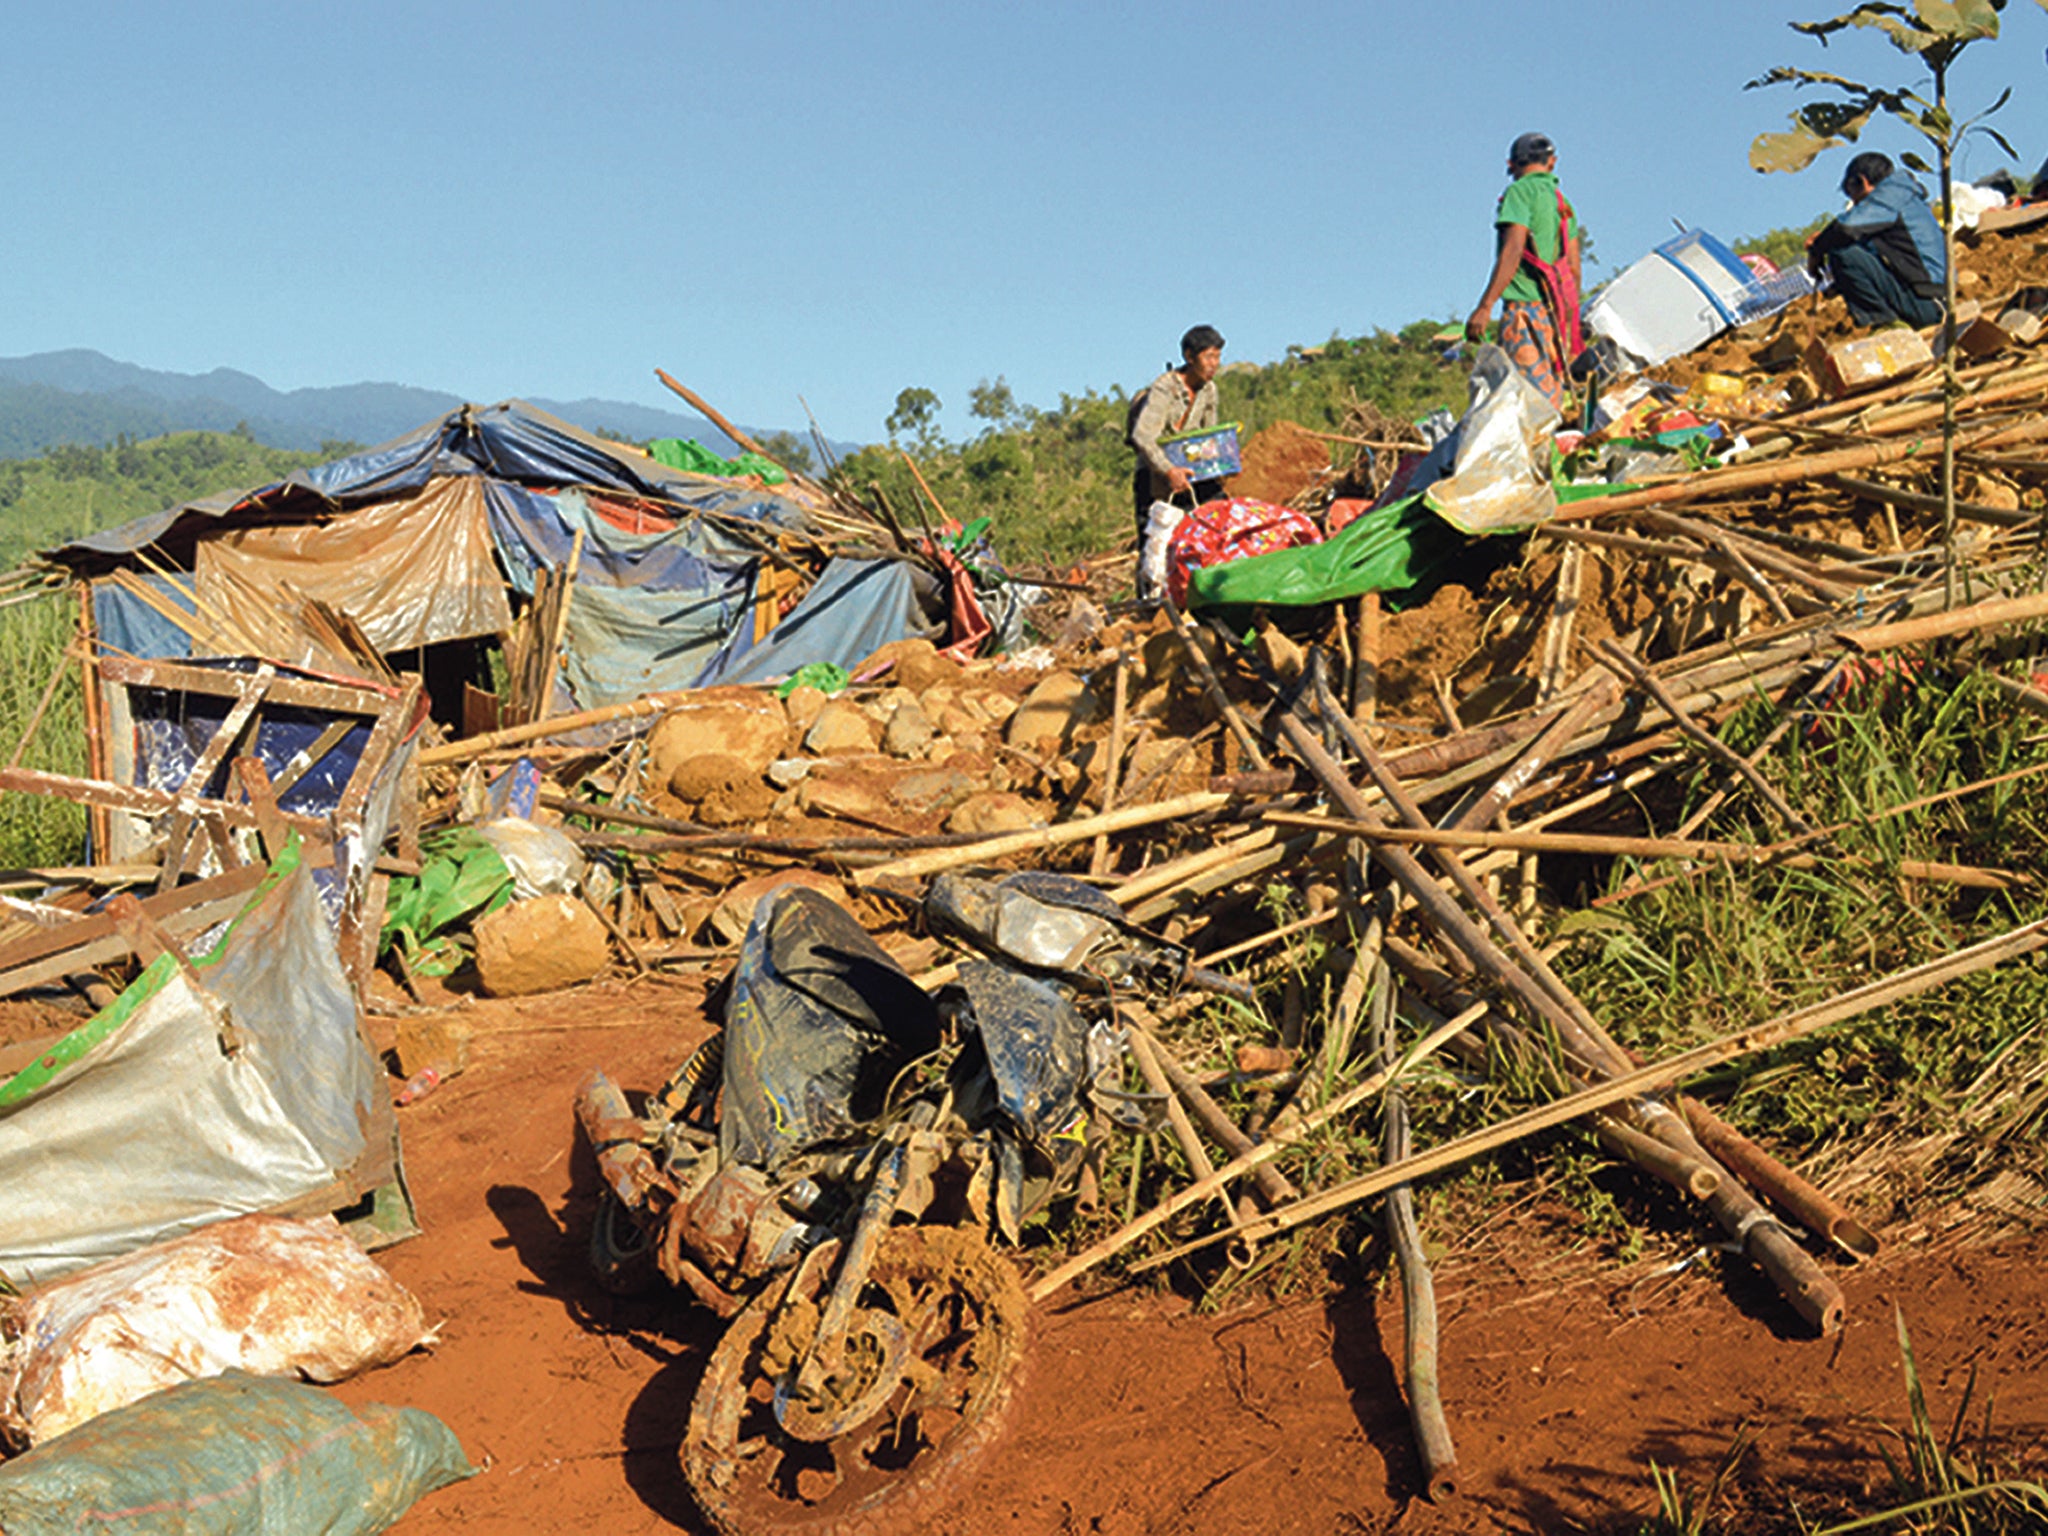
(1900, 229)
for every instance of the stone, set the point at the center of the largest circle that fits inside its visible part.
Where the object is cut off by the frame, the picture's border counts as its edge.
(697, 778)
(1048, 716)
(921, 672)
(1281, 654)
(908, 733)
(431, 1041)
(839, 729)
(994, 704)
(737, 805)
(930, 791)
(803, 705)
(992, 812)
(745, 722)
(541, 945)
(735, 908)
(787, 772)
(860, 797)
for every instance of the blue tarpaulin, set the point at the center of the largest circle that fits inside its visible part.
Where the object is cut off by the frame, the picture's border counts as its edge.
(856, 608)
(511, 442)
(648, 611)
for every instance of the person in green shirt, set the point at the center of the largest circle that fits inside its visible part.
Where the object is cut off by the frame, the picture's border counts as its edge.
(1536, 271)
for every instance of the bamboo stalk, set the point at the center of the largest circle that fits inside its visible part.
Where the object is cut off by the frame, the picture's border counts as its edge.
(1733, 1046)
(1273, 1187)
(1274, 1144)
(1098, 864)
(1418, 1304)
(1797, 1197)
(1079, 831)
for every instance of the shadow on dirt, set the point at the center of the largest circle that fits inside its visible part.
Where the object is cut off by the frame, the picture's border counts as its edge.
(663, 1325)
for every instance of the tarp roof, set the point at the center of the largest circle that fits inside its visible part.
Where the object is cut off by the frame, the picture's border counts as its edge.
(511, 441)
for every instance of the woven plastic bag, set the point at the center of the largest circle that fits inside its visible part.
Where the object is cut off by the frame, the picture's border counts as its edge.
(233, 1455)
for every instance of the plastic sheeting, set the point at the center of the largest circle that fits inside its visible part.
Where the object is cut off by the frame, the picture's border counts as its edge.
(1499, 456)
(856, 608)
(130, 626)
(411, 572)
(511, 442)
(649, 610)
(1389, 549)
(188, 1101)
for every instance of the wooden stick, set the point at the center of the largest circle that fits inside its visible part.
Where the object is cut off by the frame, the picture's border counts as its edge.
(919, 865)
(551, 657)
(1098, 864)
(1270, 1148)
(35, 719)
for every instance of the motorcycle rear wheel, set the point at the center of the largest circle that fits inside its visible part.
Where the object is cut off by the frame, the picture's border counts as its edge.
(942, 1316)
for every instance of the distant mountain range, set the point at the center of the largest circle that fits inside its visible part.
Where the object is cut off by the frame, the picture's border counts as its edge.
(81, 396)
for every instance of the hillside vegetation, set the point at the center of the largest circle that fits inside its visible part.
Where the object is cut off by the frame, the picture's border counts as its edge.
(1056, 483)
(77, 489)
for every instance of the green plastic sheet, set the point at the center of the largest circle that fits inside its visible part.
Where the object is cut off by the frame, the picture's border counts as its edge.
(692, 457)
(1390, 549)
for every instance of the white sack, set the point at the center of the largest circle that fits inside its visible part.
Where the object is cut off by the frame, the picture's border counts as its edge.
(262, 1294)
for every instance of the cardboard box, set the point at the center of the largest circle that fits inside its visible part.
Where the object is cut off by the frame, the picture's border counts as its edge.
(1864, 361)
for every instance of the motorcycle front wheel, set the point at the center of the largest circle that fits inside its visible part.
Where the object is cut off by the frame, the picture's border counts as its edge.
(919, 1386)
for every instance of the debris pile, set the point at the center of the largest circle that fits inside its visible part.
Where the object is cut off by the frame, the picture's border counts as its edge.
(1498, 659)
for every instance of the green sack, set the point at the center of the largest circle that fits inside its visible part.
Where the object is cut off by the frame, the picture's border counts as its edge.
(1390, 549)
(233, 1455)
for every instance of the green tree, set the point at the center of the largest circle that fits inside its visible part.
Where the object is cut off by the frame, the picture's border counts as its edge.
(917, 417)
(1935, 32)
(788, 450)
(996, 405)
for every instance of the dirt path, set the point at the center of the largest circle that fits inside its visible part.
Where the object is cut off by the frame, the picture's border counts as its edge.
(1140, 1415)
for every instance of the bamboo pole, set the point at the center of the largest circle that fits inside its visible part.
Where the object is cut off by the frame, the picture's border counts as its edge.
(1098, 863)
(561, 725)
(1079, 831)
(1797, 1197)
(1274, 1144)
(1418, 1303)
(1733, 1046)
(1938, 626)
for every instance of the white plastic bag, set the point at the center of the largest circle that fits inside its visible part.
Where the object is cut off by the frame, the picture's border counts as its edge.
(1161, 518)
(263, 1294)
(543, 860)
(1500, 478)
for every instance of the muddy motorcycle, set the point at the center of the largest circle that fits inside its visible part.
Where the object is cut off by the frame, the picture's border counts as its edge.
(826, 1171)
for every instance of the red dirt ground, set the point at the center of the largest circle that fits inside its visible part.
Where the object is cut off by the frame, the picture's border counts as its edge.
(1564, 1379)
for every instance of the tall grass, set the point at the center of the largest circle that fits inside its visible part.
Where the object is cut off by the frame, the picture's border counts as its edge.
(1675, 963)
(34, 635)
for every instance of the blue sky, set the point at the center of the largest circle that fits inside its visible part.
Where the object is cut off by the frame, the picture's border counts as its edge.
(773, 200)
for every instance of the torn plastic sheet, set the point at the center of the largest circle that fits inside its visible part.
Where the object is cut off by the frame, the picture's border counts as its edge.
(1499, 478)
(229, 1084)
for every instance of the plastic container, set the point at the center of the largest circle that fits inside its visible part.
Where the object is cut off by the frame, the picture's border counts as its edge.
(418, 1086)
(1208, 454)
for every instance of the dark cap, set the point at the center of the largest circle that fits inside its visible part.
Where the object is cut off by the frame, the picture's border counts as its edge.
(1530, 148)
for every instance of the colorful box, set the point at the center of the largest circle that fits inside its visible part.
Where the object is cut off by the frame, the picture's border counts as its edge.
(1208, 454)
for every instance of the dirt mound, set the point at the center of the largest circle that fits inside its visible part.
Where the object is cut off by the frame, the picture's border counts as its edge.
(1280, 463)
